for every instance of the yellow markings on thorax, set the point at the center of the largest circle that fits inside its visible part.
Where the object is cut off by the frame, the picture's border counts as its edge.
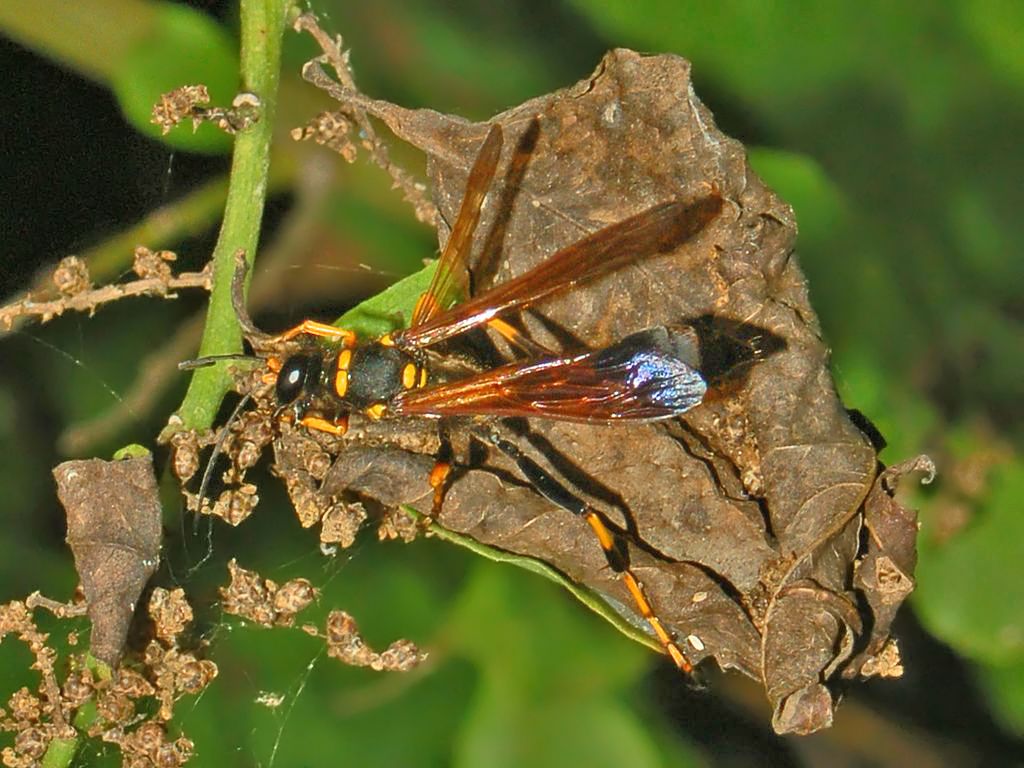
(414, 377)
(409, 376)
(376, 411)
(341, 372)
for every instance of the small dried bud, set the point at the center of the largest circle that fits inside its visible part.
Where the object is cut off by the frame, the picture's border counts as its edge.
(153, 264)
(72, 276)
(177, 105)
(293, 596)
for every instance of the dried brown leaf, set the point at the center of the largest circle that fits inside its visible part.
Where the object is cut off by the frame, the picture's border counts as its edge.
(745, 515)
(113, 512)
(885, 571)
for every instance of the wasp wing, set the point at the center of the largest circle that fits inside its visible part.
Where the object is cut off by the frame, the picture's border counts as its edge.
(450, 281)
(656, 230)
(647, 376)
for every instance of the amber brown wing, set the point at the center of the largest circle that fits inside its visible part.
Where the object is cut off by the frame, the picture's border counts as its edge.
(450, 281)
(656, 230)
(647, 376)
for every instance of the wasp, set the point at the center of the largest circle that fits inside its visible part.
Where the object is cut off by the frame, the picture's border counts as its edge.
(646, 376)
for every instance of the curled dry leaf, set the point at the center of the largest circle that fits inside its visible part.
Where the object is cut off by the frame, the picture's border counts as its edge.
(745, 515)
(885, 569)
(113, 512)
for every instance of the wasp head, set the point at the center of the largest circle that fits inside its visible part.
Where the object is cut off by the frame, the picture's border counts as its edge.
(297, 380)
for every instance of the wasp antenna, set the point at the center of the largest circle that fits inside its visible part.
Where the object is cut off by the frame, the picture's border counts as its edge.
(217, 449)
(205, 362)
(255, 336)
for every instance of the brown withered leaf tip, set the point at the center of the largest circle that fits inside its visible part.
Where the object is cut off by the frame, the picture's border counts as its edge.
(745, 516)
(113, 514)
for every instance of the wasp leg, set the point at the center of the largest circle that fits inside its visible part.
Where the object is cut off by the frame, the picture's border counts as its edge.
(337, 426)
(323, 330)
(440, 474)
(517, 338)
(614, 546)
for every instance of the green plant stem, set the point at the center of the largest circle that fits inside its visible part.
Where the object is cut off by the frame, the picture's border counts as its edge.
(60, 753)
(262, 24)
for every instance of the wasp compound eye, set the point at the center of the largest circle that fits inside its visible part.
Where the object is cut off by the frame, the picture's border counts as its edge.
(297, 372)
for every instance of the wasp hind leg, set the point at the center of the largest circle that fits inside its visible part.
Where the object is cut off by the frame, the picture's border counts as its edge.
(613, 545)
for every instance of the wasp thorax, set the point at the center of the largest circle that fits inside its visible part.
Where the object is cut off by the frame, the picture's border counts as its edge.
(376, 373)
(300, 373)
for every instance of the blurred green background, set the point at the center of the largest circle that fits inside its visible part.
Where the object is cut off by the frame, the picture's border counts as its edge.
(893, 129)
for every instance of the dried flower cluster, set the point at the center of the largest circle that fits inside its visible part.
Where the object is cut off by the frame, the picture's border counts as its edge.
(122, 696)
(269, 604)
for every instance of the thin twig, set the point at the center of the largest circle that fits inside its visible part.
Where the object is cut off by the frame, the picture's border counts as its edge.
(414, 192)
(90, 300)
(57, 608)
(262, 25)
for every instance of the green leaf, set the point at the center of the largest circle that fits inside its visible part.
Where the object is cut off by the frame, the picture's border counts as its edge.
(527, 636)
(384, 718)
(1005, 684)
(552, 679)
(905, 419)
(503, 732)
(132, 451)
(780, 58)
(464, 58)
(184, 47)
(996, 26)
(970, 589)
(390, 309)
(588, 597)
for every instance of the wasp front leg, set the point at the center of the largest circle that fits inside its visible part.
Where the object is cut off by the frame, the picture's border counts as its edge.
(440, 475)
(337, 426)
(321, 330)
